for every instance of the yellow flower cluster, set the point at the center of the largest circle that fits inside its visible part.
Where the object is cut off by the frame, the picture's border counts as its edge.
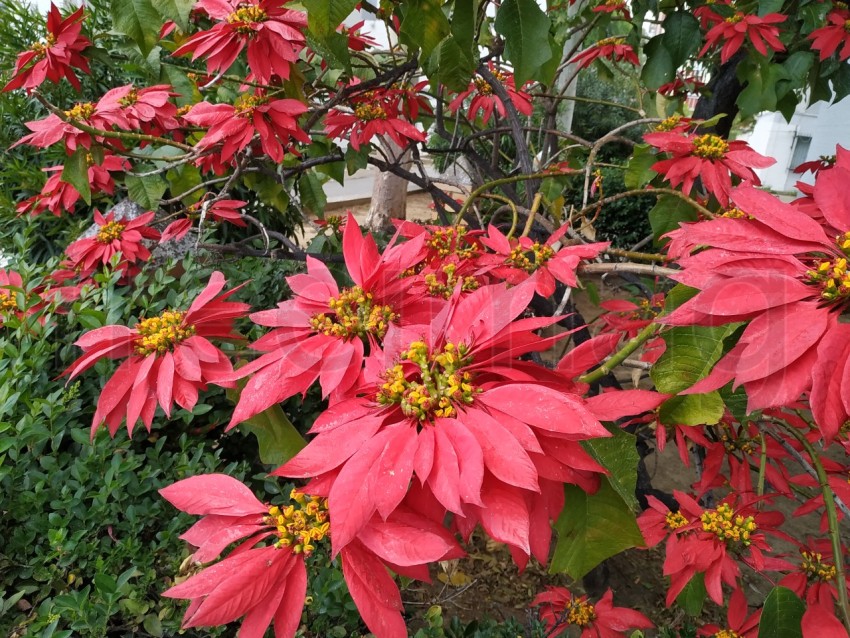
(448, 241)
(81, 111)
(710, 146)
(354, 315)
(815, 568)
(733, 443)
(675, 520)
(109, 232)
(519, 257)
(245, 104)
(669, 123)
(735, 213)
(158, 335)
(726, 633)
(442, 387)
(370, 111)
(484, 87)
(445, 289)
(247, 15)
(8, 303)
(727, 526)
(302, 523)
(580, 613)
(832, 276)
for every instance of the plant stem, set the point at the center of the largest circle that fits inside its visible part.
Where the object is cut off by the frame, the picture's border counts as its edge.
(618, 357)
(832, 521)
(638, 269)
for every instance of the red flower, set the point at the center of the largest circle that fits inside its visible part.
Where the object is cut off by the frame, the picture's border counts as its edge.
(269, 581)
(732, 32)
(822, 163)
(614, 49)
(515, 260)
(322, 332)
(814, 579)
(113, 237)
(375, 112)
(834, 34)
(681, 87)
(57, 196)
(611, 6)
(485, 101)
(273, 35)
(149, 109)
(11, 292)
(819, 621)
(486, 434)
(658, 521)
(52, 129)
(169, 359)
(737, 622)
(221, 210)
(234, 126)
(560, 609)
(708, 157)
(54, 59)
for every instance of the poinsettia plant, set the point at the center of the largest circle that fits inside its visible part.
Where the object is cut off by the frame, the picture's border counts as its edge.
(460, 390)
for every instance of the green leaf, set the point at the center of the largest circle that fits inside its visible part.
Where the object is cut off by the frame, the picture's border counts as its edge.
(525, 28)
(681, 36)
(323, 18)
(692, 409)
(690, 354)
(153, 625)
(268, 190)
(692, 597)
(736, 401)
(659, 67)
(138, 20)
(76, 173)
(770, 6)
(592, 528)
(620, 457)
(277, 438)
(678, 295)
(146, 191)
(424, 25)
(183, 178)
(356, 159)
(638, 171)
(841, 82)
(782, 615)
(450, 65)
(312, 194)
(668, 213)
(105, 584)
(463, 24)
(177, 10)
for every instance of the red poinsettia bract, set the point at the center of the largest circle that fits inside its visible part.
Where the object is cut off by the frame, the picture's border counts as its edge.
(485, 101)
(560, 609)
(273, 35)
(827, 39)
(486, 434)
(738, 623)
(707, 157)
(169, 358)
(613, 48)
(265, 578)
(221, 210)
(234, 125)
(323, 332)
(113, 236)
(55, 58)
(734, 30)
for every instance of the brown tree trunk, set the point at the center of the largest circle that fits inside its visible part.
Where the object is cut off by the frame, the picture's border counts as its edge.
(389, 195)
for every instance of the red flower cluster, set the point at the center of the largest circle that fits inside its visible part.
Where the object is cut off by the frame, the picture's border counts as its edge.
(274, 37)
(113, 237)
(560, 609)
(484, 101)
(55, 58)
(733, 31)
(613, 48)
(827, 39)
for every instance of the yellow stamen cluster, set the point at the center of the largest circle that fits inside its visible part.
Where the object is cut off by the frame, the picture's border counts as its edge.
(815, 567)
(735, 213)
(158, 335)
(843, 242)
(726, 633)
(334, 222)
(580, 613)
(439, 387)
(246, 104)
(354, 315)
(669, 123)
(847, 26)
(81, 111)
(735, 19)
(675, 520)
(301, 524)
(8, 303)
(183, 110)
(832, 276)
(728, 526)
(617, 39)
(109, 232)
(370, 111)
(130, 99)
(736, 443)
(448, 241)
(246, 16)
(40, 48)
(484, 87)
(710, 146)
(438, 288)
(519, 257)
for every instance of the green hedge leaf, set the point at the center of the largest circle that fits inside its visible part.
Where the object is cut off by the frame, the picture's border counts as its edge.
(782, 615)
(525, 28)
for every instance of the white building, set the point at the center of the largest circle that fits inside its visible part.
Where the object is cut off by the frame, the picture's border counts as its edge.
(812, 132)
